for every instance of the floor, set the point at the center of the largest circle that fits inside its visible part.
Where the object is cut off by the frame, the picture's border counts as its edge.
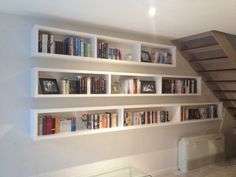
(222, 169)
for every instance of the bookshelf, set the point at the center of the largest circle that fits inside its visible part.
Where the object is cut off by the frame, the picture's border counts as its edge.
(67, 122)
(61, 44)
(84, 83)
(67, 45)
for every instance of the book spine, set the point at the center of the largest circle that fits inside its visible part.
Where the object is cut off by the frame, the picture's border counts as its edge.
(44, 43)
(40, 42)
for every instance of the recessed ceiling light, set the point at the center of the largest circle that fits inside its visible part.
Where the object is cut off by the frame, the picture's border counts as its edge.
(152, 11)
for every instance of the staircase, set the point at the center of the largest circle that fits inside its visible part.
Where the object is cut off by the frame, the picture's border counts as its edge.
(213, 55)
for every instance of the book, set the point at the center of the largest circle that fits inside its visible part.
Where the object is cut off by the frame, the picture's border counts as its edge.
(51, 44)
(167, 86)
(40, 41)
(44, 43)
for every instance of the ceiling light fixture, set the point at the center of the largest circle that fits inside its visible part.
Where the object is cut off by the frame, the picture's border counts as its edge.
(152, 11)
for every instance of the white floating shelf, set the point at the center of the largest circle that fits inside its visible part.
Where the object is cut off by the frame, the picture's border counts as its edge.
(173, 109)
(127, 47)
(111, 78)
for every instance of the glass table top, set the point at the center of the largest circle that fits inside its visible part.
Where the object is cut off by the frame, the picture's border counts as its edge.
(123, 172)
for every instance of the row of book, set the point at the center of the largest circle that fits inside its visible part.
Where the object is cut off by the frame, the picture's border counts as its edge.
(161, 56)
(130, 86)
(69, 46)
(206, 112)
(83, 85)
(52, 125)
(137, 86)
(114, 54)
(182, 86)
(103, 51)
(145, 117)
(100, 120)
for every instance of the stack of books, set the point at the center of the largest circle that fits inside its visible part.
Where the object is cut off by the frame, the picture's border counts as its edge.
(83, 85)
(52, 125)
(100, 120)
(145, 117)
(75, 46)
(203, 112)
(181, 86)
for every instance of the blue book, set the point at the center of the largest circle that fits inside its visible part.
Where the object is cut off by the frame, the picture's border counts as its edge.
(77, 46)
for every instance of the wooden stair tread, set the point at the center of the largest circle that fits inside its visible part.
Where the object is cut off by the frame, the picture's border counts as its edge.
(226, 99)
(217, 70)
(220, 81)
(225, 91)
(207, 59)
(194, 37)
(202, 48)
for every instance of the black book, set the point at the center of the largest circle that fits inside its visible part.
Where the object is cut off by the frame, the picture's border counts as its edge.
(166, 86)
(74, 87)
(53, 130)
(57, 47)
(40, 42)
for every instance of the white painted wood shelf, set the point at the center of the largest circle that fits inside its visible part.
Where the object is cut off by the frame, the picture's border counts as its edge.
(174, 112)
(111, 78)
(130, 50)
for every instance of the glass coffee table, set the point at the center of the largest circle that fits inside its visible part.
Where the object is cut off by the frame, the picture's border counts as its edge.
(123, 172)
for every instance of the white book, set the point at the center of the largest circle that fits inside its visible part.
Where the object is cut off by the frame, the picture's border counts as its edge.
(179, 84)
(138, 86)
(40, 126)
(131, 86)
(44, 43)
(192, 86)
(82, 48)
(88, 85)
(52, 44)
(69, 125)
(62, 86)
(89, 50)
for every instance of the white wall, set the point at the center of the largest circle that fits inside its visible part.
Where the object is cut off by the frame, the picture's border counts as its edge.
(151, 149)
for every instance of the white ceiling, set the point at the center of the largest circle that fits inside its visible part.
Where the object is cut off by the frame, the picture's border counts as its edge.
(174, 18)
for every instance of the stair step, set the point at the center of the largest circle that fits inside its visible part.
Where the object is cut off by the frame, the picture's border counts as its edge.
(217, 70)
(196, 36)
(225, 99)
(231, 107)
(221, 81)
(202, 48)
(207, 59)
(229, 91)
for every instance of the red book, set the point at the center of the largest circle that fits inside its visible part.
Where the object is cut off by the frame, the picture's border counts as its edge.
(48, 124)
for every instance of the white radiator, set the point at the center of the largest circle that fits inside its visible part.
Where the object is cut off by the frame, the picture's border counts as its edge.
(197, 151)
